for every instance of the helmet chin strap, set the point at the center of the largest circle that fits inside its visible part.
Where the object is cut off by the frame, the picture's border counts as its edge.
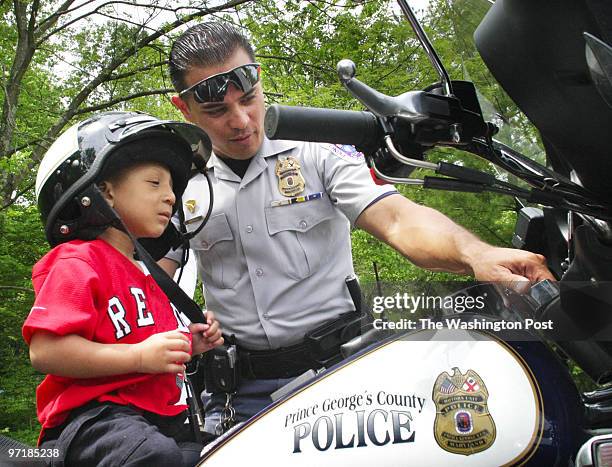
(187, 236)
(177, 296)
(211, 196)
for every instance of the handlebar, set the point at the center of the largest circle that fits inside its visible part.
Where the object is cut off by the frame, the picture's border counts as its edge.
(360, 129)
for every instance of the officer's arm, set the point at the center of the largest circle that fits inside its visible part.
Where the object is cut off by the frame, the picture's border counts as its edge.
(432, 241)
(423, 235)
(168, 265)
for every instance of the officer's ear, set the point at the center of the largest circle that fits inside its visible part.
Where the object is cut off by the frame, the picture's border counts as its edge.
(182, 105)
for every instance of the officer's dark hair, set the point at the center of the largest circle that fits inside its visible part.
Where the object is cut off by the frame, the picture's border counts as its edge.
(204, 45)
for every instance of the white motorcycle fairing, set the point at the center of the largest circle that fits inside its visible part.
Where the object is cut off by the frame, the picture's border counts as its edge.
(423, 398)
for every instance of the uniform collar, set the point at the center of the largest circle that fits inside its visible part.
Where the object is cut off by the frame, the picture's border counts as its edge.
(274, 147)
(258, 165)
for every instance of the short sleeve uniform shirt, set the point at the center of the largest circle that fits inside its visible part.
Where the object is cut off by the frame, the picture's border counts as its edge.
(276, 251)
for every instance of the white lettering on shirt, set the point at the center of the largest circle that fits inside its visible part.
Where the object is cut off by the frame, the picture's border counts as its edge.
(145, 318)
(116, 312)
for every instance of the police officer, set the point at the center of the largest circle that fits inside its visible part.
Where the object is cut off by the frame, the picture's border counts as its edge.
(276, 250)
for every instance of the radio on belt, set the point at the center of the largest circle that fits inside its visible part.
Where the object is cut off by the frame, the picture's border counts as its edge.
(222, 373)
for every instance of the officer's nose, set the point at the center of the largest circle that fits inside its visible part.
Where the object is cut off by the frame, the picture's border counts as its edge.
(239, 118)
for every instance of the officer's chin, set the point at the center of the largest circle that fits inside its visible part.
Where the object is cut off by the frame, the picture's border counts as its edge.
(245, 149)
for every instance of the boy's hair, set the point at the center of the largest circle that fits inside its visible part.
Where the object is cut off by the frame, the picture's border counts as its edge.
(134, 154)
(204, 45)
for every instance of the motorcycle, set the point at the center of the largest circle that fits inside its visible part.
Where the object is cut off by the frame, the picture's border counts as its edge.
(488, 384)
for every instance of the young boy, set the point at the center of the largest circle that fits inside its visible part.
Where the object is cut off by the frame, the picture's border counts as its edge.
(112, 345)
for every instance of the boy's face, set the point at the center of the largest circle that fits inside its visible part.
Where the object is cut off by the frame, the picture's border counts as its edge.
(235, 126)
(142, 196)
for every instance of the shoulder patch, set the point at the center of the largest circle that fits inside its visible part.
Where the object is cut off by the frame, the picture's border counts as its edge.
(346, 152)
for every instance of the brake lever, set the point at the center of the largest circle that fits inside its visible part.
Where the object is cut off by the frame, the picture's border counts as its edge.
(376, 102)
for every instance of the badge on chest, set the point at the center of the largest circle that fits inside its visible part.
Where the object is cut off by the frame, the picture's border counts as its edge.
(290, 179)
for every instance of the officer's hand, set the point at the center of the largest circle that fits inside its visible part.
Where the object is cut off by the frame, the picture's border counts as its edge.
(165, 352)
(206, 336)
(509, 265)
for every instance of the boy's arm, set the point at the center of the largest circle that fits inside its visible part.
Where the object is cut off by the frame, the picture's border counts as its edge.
(76, 357)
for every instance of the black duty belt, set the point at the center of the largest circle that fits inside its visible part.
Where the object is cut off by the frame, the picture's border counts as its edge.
(285, 362)
(320, 348)
(226, 365)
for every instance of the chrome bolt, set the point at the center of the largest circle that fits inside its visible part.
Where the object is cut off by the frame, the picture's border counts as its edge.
(64, 230)
(85, 201)
(455, 131)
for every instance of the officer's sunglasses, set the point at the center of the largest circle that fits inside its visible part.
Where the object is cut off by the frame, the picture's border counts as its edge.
(214, 88)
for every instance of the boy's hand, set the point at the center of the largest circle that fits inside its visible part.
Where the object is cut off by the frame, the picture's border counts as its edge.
(162, 353)
(206, 336)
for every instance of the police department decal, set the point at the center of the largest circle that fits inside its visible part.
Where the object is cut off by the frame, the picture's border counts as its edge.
(290, 179)
(355, 420)
(463, 423)
(387, 407)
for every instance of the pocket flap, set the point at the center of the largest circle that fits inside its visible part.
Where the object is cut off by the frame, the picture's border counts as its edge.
(216, 230)
(299, 217)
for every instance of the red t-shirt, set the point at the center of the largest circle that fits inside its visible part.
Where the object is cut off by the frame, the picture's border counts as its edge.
(92, 290)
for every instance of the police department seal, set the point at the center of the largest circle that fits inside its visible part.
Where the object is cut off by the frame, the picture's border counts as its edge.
(463, 423)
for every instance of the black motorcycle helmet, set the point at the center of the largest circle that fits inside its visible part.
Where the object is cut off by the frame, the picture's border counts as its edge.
(70, 203)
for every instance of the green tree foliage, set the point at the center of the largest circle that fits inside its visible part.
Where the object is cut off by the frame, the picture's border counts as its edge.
(21, 245)
(62, 60)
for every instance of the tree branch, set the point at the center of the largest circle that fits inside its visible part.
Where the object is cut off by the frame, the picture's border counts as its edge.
(21, 62)
(141, 26)
(13, 180)
(55, 16)
(127, 74)
(18, 195)
(118, 100)
(22, 147)
(33, 13)
(50, 21)
(229, 4)
(297, 62)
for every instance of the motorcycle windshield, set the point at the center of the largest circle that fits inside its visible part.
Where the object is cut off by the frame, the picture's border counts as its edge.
(539, 53)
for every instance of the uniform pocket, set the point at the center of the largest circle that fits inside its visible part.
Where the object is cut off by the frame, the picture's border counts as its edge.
(215, 253)
(301, 234)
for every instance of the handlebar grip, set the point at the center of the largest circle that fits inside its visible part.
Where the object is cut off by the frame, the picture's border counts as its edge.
(323, 125)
